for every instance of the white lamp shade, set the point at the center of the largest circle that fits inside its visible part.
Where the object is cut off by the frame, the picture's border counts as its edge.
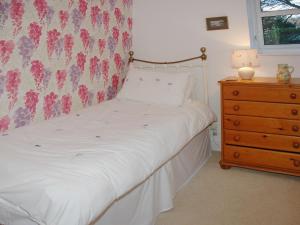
(245, 58)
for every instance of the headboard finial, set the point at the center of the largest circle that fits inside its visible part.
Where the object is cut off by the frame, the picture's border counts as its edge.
(131, 59)
(203, 55)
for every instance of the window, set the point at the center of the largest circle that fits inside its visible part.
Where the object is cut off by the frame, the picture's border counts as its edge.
(275, 25)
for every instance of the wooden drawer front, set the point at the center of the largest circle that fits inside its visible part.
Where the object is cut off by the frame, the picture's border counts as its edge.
(259, 124)
(277, 110)
(262, 158)
(265, 94)
(262, 140)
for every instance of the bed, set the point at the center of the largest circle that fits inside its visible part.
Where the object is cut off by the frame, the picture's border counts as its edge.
(120, 162)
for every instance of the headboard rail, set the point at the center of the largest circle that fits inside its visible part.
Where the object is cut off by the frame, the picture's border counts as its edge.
(203, 57)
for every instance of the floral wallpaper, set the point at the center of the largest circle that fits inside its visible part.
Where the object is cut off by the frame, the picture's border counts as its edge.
(57, 56)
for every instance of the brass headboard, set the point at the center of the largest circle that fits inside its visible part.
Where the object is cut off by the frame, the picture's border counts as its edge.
(203, 57)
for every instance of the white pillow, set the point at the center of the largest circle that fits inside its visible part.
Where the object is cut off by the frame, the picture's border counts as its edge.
(155, 87)
(188, 96)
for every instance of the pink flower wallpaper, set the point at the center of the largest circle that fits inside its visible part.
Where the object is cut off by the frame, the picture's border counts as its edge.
(57, 56)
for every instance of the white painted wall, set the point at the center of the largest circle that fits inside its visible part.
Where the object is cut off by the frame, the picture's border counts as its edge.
(176, 29)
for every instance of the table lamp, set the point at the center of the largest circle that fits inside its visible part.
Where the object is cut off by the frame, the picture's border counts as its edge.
(245, 60)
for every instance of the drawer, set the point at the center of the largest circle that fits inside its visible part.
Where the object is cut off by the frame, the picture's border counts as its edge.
(264, 94)
(277, 110)
(265, 125)
(263, 159)
(262, 140)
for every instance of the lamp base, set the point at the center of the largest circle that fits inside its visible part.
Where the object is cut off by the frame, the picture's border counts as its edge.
(246, 73)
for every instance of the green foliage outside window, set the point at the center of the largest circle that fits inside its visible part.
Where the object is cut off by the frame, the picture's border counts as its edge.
(281, 29)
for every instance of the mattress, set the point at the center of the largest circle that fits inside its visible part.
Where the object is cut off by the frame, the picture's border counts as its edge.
(71, 169)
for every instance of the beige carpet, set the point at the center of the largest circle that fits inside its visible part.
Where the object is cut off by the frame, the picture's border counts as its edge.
(236, 197)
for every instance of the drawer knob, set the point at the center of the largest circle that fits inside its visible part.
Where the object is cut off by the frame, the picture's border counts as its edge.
(236, 155)
(236, 107)
(294, 112)
(236, 123)
(237, 138)
(295, 128)
(296, 162)
(235, 92)
(296, 144)
(293, 96)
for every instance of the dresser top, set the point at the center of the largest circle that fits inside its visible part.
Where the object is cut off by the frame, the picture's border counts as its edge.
(262, 81)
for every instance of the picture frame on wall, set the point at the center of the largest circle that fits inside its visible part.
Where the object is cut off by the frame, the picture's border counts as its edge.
(217, 23)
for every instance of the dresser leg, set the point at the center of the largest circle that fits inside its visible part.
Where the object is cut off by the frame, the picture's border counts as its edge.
(224, 166)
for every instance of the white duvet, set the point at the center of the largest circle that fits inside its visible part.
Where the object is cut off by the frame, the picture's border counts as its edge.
(67, 171)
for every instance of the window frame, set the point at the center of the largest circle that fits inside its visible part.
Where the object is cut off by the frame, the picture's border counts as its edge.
(256, 30)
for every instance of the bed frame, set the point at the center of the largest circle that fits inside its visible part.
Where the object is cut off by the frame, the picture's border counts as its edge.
(190, 154)
(202, 57)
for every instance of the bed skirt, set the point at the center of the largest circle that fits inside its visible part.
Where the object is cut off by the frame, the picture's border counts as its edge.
(143, 204)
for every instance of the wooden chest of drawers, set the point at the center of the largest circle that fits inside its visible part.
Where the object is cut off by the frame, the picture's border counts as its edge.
(261, 125)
